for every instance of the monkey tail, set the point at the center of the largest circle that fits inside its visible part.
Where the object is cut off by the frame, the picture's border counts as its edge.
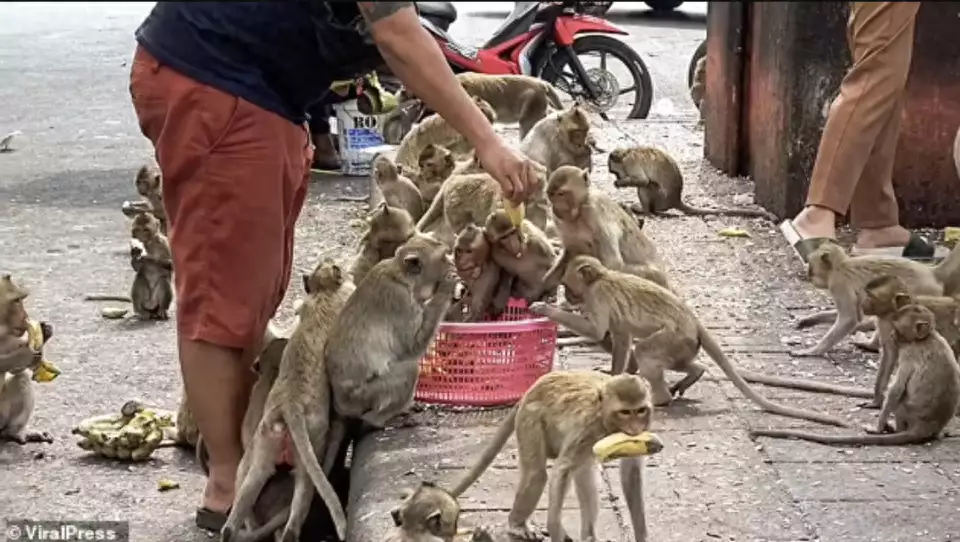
(434, 212)
(709, 344)
(746, 213)
(99, 297)
(806, 385)
(307, 459)
(270, 527)
(889, 439)
(489, 454)
(948, 268)
(552, 97)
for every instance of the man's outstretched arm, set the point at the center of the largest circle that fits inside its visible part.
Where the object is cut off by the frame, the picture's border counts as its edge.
(415, 58)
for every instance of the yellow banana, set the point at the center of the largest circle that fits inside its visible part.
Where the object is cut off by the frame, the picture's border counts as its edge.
(123, 453)
(108, 451)
(46, 371)
(34, 335)
(620, 445)
(515, 212)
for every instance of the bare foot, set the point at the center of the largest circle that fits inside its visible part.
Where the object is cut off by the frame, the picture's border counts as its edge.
(815, 221)
(893, 236)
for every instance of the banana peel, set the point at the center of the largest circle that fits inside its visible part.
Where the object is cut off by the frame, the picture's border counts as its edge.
(621, 445)
(46, 371)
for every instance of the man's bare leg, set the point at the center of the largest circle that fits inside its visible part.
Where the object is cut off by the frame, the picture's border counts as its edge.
(218, 384)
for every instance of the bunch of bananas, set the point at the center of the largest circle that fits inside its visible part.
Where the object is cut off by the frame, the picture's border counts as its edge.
(134, 433)
(46, 371)
(620, 445)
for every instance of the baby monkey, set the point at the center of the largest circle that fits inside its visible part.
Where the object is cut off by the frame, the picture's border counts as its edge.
(524, 253)
(924, 396)
(427, 514)
(659, 183)
(561, 417)
(660, 329)
(488, 288)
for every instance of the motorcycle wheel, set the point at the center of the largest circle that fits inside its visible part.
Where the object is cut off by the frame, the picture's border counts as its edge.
(699, 53)
(554, 64)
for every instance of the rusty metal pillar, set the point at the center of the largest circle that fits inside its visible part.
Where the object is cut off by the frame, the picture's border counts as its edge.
(796, 55)
(925, 176)
(723, 100)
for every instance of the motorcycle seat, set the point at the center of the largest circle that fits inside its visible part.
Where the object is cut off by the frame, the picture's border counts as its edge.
(444, 11)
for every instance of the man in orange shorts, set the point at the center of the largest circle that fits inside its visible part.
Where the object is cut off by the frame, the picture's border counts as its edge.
(222, 90)
(854, 167)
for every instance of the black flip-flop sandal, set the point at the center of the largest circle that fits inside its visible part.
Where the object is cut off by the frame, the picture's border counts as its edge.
(210, 520)
(803, 248)
(918, 248)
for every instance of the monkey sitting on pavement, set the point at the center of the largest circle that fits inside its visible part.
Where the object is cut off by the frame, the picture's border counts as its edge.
(436, 164)
(152, 291)
(562, 138)
(591, 223)
(17, 363)
(923, 397)
(659, 183)
(374, 347)
(427, 514)
(398, 191)
(297, 405)
(387, 229)
(844, 277)
(561, 417)
(657, 326)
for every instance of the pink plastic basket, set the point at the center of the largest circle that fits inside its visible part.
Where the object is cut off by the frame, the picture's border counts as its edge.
(487, 363)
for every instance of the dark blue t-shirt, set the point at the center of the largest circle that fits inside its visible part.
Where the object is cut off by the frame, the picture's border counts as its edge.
(281, 56)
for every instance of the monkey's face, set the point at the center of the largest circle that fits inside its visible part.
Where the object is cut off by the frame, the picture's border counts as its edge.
(144, 228)
(469, 256)
(627, 407)
(913, 323)
(16, 318)
(505, 235)
(426, 262)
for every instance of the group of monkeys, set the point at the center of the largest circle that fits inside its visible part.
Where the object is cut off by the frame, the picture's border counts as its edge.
(443, 246)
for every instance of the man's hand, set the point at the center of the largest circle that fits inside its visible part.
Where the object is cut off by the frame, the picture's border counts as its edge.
(514, 171)
(414, 56)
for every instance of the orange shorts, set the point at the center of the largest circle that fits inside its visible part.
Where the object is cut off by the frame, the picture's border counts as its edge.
(234, 181)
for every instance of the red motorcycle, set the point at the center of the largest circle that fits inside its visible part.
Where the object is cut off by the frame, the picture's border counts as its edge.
(546, 40)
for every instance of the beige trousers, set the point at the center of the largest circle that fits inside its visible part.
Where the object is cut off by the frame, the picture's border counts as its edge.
(854, 167)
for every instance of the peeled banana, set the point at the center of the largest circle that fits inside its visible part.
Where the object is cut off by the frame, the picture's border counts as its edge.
(46, 371)
(620, 445)
(515, 212)
(131, 434)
